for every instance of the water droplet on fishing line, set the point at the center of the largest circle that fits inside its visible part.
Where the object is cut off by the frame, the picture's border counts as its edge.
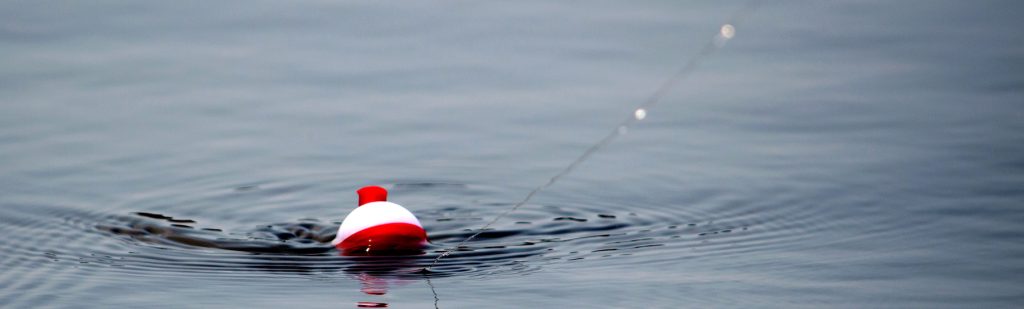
(623, 130)
(724, 34)
(640, 114)
(728, 31)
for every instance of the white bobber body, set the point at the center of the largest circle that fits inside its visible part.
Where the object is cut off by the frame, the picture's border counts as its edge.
(377, 226)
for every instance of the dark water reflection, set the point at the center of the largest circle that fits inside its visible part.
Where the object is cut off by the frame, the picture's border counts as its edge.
(197, 154)
(304, 245)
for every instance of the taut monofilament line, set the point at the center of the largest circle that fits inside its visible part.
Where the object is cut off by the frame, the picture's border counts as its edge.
(726, 32)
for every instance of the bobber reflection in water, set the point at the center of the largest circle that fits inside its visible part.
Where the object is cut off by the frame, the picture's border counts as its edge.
(379, 227)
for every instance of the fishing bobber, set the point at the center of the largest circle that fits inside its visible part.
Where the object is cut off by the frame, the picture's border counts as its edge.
(377, 226)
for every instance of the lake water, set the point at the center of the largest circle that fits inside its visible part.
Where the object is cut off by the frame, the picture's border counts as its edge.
(199, 154)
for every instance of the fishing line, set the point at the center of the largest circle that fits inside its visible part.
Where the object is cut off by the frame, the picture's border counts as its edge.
(726, 32)
(432, 290)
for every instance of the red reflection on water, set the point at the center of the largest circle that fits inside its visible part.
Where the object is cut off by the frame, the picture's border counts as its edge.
(375, 279)
(373, 285)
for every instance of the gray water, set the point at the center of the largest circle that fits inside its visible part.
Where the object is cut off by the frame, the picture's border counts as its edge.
(199, 154)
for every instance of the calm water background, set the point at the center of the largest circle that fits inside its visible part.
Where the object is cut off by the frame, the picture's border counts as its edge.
(847, 154)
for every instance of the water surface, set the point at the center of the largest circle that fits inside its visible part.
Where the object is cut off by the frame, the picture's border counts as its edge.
(849, 154)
